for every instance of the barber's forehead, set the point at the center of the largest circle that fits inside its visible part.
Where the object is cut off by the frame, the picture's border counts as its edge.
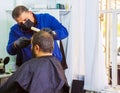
(23, 16)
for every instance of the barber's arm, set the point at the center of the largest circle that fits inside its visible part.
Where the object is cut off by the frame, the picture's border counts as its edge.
(58, 28)
(12, 46)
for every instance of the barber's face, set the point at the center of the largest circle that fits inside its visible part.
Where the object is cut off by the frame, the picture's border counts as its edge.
(24, 17)
(25, 20)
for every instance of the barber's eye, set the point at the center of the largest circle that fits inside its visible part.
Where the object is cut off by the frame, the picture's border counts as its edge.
(25, 19)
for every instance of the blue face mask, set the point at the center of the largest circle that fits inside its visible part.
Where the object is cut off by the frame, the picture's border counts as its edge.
(27, 25)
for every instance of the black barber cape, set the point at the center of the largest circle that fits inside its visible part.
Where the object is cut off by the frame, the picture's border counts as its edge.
(38, 75)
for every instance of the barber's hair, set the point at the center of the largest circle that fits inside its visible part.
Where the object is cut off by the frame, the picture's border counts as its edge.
(44, 40)
(18, 10)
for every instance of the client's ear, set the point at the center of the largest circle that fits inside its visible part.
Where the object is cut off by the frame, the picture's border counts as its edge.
(36, 48)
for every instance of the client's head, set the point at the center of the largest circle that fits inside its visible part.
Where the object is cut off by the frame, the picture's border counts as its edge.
(42, 44)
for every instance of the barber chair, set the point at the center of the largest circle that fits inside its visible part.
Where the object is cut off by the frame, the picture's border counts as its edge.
(77, 86)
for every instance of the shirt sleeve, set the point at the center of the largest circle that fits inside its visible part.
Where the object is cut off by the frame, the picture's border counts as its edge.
(10, 46)
(60, 30)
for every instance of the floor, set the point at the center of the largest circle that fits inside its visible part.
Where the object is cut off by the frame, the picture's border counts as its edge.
(109, 89)
(115, 89)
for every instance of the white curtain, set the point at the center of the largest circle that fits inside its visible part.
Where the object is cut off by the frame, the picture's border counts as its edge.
(95, 73)
(75, 47)
(84, 50)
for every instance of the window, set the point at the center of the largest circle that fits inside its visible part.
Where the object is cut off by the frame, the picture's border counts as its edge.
(109, 22)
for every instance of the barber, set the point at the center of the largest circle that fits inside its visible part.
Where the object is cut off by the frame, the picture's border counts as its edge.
(20, 33)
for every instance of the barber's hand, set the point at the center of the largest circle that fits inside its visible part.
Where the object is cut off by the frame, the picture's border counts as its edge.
(22, 42)
(53, 33)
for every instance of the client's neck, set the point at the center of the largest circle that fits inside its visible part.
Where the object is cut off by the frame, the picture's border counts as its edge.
(43, 54)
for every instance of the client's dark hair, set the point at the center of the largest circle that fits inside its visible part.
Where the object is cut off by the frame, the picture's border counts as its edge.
(18, 10)
(44, 40)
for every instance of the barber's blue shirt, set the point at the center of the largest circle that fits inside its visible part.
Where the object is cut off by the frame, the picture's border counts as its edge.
(43, 21)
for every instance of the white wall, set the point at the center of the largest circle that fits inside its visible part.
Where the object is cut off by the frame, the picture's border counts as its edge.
(32, 3)
(5, 23)
(3, 26)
